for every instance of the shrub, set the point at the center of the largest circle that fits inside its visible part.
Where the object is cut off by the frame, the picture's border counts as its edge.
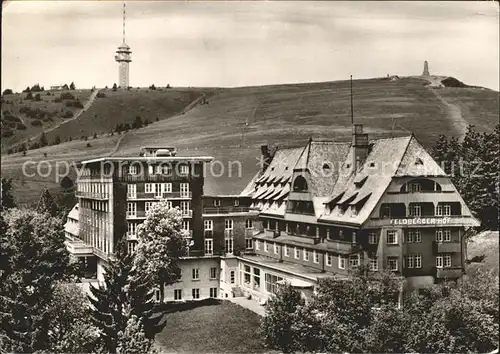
(34, 146)
(7, 92)
(152, 87)
(67, 96)
(29, 96)
(6, 133)
(36, 123)
(115, 87)
(77, 104)
(101, 95)
(37, 97)
(57, 100)
(10, 151)
(88, 145)
(20, 126)
(68, 114)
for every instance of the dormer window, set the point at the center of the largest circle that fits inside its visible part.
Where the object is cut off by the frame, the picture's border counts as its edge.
(371, 164)
(300, 184)
(354, 211)
(184, 170)
(361, 182)
(132, 170)
(415, 187)
(419, 161)
(236, 202)
(326, 167)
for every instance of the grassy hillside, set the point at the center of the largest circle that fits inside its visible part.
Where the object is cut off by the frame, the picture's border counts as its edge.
(235, 122)
(482, 251)
(122, 107)
(48, 112)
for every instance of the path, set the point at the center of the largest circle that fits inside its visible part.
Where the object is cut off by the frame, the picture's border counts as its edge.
(86, 106)
(252, 305)
(454, 114)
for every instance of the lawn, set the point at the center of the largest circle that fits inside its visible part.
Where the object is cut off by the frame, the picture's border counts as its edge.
(221, 328)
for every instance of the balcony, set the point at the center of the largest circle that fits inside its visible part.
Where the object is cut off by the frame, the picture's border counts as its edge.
(447, 247)
(152, 178)
(142, 196)
(177, 195)
(342, 246)
(187, 213)
(449, 273)
(78, 248)
(225, 210)
(137, 215)
(90, 195)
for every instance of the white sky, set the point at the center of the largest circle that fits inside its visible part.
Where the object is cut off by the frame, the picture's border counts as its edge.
(247, 43)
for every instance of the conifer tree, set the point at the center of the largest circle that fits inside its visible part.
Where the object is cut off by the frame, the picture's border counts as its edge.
(43, 140)
(133, 339)
(7, 201)
(46, 204)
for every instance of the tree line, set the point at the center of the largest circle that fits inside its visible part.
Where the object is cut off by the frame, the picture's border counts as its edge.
(42, 307)
(473, 165)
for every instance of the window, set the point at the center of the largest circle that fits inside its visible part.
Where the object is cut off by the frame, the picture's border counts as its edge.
(354, 261)
(131, 228)
(169, 205)
(217, 203)
(275, 246)
(185, 208)
(249, 224)
(315, 257)
(256, 278)
(184, 170)
(305, 255)
(373, 264)
(184, 190)
(213, 273)
(186, 225)
(195, 293)
(414, 236)
(131, 246)
(392, 263)
(257, 245)
(248, 243)
(287, 251)
(209, 246)
(213, 292)
(178, 294)
(236, 202)
(195, 274)
(443, 261)
(443, 235)
(271, 281)
(131, 209)
(372, 238)
(328, 259)
(385, 211)
(148, 187)
(443, 210)
(297, 253)
(131, 190)
(417, 260)
(266, 247)
(157, 295)
(165, 169)
(151, 170)
(415, 210)
(415, 187)
(231, 276)
(148, 206)
(132, 170)
(354, 237)
(392, 237)
(167, 187)
(158, 190)
(228, 224)
(342, 262)
(228, 243)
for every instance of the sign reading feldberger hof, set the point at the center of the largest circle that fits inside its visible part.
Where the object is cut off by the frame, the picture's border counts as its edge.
(421, 221)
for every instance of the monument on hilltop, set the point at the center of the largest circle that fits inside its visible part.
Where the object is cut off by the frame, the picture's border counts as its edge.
(123, 59)
(426, 69)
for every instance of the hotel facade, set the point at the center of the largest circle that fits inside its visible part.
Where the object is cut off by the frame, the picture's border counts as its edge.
(313, 211)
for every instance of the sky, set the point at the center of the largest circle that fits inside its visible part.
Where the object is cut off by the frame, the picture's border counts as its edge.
(231, 43)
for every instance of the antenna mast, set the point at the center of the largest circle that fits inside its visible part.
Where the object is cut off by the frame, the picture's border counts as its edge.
(123, 22)
(352, 106)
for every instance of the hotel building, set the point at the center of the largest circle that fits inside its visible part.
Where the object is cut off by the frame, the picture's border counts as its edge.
(313, 211)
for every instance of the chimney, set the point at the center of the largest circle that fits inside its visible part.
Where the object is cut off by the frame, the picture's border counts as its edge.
(360, 146)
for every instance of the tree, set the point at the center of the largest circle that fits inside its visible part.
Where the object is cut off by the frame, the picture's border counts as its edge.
(161, 243)
(133, 339)
(46, 204)
(71, 330)
(57, 140)
(115, 87)
(66, 183)
(72, 86)
(43, 140)
(7, 197)
(65, 87)
(34, 260)
(38, 97)
(7, 92)
(277, 328)
(137, 123)
(29, 96)
(124, 294)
